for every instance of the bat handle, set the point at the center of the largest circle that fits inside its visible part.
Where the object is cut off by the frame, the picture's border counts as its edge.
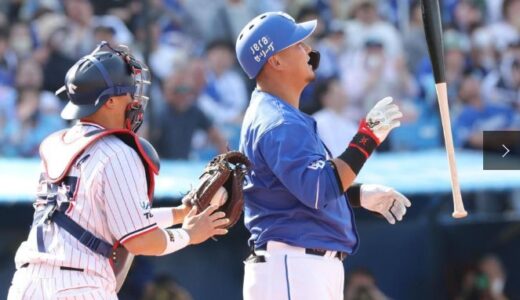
(458, 205)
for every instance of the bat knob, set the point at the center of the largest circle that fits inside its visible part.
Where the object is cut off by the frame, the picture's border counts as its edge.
(459, 214)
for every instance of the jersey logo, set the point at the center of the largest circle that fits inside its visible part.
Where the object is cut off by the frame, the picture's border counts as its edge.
(146, 206)
(315, 165)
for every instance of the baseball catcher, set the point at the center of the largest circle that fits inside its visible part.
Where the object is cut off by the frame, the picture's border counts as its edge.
(93, 208)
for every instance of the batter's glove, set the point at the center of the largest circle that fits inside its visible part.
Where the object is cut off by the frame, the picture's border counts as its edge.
(383, 117)
(222, 178)
(385, 201)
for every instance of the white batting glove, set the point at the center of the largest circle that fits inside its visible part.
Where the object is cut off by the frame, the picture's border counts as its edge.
(383, 117)
(384, 200)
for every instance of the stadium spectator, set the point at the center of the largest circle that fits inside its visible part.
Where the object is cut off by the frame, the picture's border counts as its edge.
(484, 57)
(21, 40)
(8, 59)
(367, 24)
(165, 287)
(371, 74)
(181, 118)
(361, 285)
(224, 98)
(202, 19)
(485, 282)
(507, 30)
(468, 15)
(456, 47)
(36, 113)
(334, 125)
(163, 57)
(502, 86)
(55, 62)
(331, 47)
(79, 39)
(230, 17)
(477, 115)
(413, 39)
(105, 33)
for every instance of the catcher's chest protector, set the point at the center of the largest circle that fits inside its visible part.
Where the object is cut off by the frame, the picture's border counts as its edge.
(58, 155)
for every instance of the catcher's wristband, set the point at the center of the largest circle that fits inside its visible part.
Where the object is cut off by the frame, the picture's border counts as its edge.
(360, 148)
(176, 239)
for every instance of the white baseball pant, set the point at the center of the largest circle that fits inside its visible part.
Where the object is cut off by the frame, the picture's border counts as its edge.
(288, 273)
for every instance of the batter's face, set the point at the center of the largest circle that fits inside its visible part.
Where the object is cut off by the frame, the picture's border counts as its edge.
(296, 61)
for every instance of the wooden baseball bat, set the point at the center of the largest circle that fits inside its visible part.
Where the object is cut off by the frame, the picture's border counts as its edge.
(433, 31)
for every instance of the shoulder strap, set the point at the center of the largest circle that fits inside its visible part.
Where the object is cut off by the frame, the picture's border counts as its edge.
(84, 236)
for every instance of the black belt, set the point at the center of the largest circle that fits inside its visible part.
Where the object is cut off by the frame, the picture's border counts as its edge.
(340, 255)
(319, 252)
(61, 268)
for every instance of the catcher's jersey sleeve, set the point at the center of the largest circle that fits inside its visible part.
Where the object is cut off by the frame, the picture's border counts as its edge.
(124, 184)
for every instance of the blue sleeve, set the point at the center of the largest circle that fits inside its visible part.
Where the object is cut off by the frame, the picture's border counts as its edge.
(290, 151)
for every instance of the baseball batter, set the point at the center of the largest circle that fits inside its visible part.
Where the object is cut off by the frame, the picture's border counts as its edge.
(93, 207)
(299, 199)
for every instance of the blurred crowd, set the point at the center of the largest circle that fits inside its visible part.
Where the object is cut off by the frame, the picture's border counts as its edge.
(370, 49)
(483, 279)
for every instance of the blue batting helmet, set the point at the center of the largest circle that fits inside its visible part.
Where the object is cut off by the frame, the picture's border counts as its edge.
(267, 34)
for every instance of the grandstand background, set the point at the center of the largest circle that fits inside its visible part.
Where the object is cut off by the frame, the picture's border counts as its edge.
(370, 49)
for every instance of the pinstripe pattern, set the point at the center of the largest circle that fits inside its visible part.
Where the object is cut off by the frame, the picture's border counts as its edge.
(110, 201)
(33, 283)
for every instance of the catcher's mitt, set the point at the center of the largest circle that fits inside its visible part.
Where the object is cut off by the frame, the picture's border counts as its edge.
(225, 170)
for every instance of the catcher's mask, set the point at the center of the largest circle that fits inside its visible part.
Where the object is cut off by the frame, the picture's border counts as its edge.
(104, 73)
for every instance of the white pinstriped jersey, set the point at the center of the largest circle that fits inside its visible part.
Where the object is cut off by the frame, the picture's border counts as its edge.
(110, 200)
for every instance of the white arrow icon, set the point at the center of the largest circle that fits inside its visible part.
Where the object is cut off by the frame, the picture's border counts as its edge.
(507, 150)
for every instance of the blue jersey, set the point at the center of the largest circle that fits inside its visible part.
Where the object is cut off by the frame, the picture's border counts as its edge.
(292, 194)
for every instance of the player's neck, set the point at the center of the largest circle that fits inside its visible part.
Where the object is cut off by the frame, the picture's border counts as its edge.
(107, 122)
(283, 91)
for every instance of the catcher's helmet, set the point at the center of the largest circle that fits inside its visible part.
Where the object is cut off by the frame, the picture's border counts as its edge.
(96, 77)
(267, 34)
